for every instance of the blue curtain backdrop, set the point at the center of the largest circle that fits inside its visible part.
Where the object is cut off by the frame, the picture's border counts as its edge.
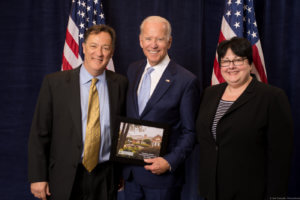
(32, 34)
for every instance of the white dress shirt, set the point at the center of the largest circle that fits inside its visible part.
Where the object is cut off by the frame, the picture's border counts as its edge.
(156, 74)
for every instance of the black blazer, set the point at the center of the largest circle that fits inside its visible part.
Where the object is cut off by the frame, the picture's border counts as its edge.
(251, 156)
(55, 142)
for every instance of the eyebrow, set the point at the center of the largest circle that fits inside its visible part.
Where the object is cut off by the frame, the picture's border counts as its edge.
(95, 43)
(237, 57)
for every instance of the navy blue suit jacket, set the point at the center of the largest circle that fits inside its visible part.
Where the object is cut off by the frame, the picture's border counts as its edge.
(175, 101)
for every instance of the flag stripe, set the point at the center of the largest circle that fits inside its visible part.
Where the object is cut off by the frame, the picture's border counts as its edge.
(66, 64)
(71, 57)
(226, 30)
(221, 37)
(72, 43)
(258, 64)
(261, 55)
(217, 77)
(217, 71)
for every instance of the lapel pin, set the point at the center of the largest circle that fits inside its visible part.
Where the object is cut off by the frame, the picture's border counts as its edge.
(168, 81)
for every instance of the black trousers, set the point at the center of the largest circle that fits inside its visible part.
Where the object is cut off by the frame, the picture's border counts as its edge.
(96, 185)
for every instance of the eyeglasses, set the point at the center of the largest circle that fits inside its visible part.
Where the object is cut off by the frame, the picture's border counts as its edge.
(236, 62)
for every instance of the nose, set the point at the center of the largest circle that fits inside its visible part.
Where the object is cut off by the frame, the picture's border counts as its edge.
(99, 51)
(231, 65)
(154, 44)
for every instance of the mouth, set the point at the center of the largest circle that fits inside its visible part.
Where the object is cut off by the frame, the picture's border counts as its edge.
(98, 59)
(233, 72)
(153, 52)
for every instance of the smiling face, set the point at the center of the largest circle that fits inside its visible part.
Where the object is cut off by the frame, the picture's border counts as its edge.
(97, 50)
(235, 76)
(154, 41)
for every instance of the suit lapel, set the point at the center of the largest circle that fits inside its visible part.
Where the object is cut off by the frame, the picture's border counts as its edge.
(212, 105)
(137, 76)
(74, 103)
(244, 98)
(163, 85)
(113, 89)
(214, 100)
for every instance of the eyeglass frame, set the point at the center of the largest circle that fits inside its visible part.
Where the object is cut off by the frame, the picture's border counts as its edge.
(233, 62)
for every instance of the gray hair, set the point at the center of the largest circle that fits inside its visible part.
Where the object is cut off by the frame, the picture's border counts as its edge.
(157, 19)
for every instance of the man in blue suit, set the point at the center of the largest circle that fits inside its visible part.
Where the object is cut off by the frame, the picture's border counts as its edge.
(173, 98)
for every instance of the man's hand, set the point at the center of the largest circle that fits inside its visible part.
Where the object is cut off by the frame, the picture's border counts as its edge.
(121, 185)
(40, 190)
(158, 165)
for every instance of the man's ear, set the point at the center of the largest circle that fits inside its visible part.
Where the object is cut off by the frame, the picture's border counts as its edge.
(170, 42)
(141, 43)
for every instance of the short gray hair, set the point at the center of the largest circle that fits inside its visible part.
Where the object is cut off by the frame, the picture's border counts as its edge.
(157, 19)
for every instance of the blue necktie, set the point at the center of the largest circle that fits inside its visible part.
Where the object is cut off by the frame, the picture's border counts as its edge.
(144, 93)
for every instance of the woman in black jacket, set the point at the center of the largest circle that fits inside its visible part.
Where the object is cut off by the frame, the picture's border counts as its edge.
(244, 128)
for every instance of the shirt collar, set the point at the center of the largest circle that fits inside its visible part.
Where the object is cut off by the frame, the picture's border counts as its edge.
(162, 65)
(86, 77)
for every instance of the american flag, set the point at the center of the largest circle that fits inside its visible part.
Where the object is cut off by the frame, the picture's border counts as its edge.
(239, 20)
(84, 13)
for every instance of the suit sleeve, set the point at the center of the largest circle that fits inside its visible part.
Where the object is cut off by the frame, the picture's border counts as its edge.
(189, 105)
(40, 135)
(280, 142)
